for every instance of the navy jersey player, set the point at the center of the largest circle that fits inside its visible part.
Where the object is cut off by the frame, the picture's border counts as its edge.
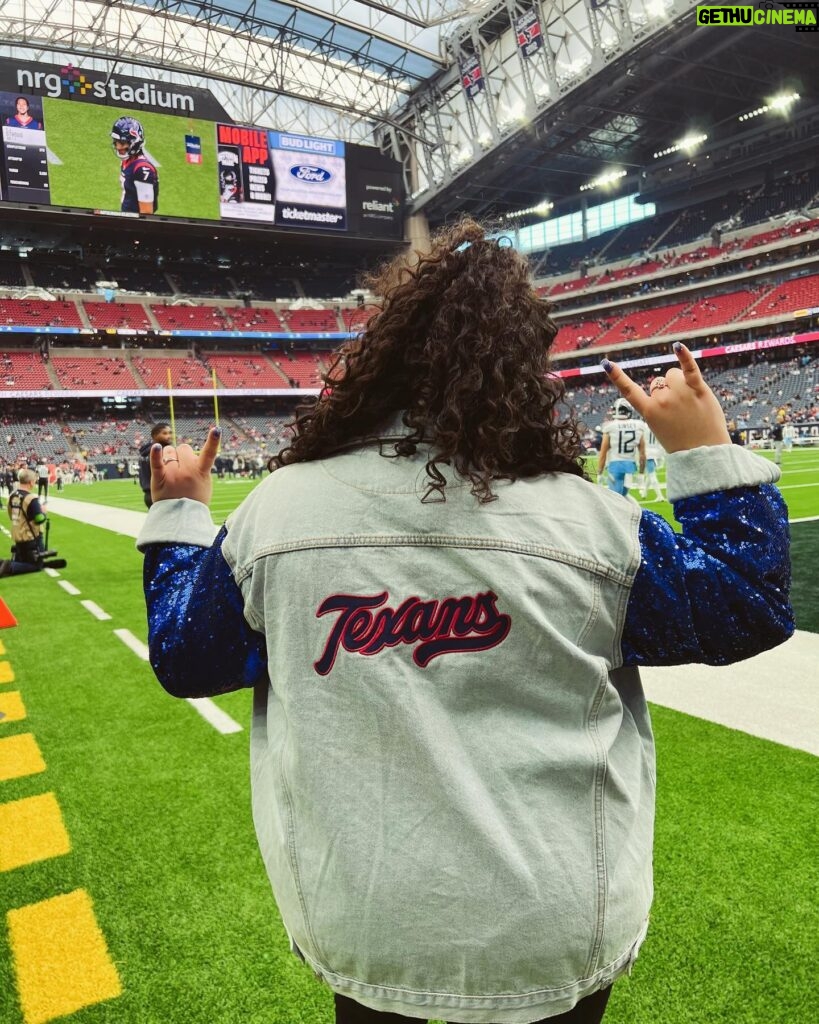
(21, 117)
(138, 176)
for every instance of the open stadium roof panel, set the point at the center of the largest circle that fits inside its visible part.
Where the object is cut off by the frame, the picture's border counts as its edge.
(359, 58)
(356, 54)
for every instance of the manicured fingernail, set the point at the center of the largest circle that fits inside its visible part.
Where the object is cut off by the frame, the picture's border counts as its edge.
(217, 431)
(156, 447)
(607, 365)
(677, 346)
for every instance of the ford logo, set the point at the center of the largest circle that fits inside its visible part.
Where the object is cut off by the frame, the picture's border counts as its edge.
(304, 172)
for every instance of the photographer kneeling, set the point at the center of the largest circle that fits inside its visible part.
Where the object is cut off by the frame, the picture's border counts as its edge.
(28, 552)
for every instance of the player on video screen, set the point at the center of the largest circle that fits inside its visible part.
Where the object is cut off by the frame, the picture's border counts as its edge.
(21, 117)
(138, 176)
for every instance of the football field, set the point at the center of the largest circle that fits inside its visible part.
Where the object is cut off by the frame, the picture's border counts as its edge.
(132, 891)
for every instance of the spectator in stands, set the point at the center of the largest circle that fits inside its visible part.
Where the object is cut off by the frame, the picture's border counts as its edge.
(28, 552)
(160, 434)
(436, 606)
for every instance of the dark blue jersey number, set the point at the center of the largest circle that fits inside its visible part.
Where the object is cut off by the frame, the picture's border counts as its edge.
(626, 442)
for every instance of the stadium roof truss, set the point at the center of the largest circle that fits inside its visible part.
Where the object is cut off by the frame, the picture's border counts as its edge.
(604, 80)
(323, 67)
(441, 132)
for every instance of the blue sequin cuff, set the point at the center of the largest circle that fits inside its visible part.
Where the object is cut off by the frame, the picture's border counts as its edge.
(199, 641)
(718, 593)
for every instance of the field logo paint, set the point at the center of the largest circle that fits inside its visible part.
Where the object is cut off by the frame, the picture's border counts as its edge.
(803, 16)
(78, 84)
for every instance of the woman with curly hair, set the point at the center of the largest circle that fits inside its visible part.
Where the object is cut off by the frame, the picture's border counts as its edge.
(443, 619)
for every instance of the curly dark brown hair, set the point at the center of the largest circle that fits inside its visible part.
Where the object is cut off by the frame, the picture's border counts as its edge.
(460, 343)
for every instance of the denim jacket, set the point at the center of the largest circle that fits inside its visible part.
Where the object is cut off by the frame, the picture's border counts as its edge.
(452, 759)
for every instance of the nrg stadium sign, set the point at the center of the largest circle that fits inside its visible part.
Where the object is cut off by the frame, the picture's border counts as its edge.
(66, 82)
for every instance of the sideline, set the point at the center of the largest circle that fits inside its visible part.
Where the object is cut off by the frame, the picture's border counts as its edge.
(124, 521)
(773, 696)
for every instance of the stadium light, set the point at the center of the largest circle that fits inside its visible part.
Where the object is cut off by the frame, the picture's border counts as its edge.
(657, 8)
(603, 180)
(781, 104)
(783, 101)
(689, 144)
(541, 210)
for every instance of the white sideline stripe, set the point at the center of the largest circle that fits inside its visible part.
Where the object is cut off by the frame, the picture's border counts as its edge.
(52, 572)
(213, 715)
(95, 610)
(137, 646)
(69, 588)
(805, 519)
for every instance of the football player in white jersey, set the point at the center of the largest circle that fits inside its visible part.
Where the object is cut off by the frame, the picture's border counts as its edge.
(623, 446)
(655, 453)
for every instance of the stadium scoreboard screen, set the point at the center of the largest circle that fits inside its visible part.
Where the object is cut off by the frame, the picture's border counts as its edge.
(125, 147)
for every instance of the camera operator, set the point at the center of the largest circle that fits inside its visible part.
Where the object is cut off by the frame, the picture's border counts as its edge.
(27, 519)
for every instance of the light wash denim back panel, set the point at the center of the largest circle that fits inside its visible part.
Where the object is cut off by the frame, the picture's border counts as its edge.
(454, 802)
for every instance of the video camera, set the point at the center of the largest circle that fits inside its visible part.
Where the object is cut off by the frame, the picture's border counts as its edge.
(37, 554)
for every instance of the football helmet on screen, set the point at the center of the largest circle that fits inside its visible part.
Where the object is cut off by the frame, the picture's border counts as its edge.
(622, 409)
(129, 132)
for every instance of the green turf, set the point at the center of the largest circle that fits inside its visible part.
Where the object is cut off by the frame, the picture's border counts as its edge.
(79, 134)
(156, 804)
(157, 807)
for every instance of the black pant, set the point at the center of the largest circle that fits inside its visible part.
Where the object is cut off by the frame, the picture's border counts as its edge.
(588, 1011)
(26, 557)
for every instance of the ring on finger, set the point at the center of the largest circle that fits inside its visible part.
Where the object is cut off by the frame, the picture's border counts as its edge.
(166, 461)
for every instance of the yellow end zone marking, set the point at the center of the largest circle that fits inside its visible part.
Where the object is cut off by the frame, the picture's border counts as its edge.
(12, 708)
(20, 756)
(2, 648)
(31, 829)
(60, 958)
(6, 672)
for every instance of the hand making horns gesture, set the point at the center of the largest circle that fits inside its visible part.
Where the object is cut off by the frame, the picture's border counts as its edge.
(180, 473)
(680, 408)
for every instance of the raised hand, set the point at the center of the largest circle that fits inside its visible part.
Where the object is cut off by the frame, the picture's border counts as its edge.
(180, 473)
(681, 409)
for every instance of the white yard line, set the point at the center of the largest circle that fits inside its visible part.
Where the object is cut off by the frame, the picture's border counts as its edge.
(95, 610)
(137, 646)
(213, 715)
(69, 588)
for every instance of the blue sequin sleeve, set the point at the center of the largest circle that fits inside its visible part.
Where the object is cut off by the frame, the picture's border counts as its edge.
(718, 592)
(199, 641)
